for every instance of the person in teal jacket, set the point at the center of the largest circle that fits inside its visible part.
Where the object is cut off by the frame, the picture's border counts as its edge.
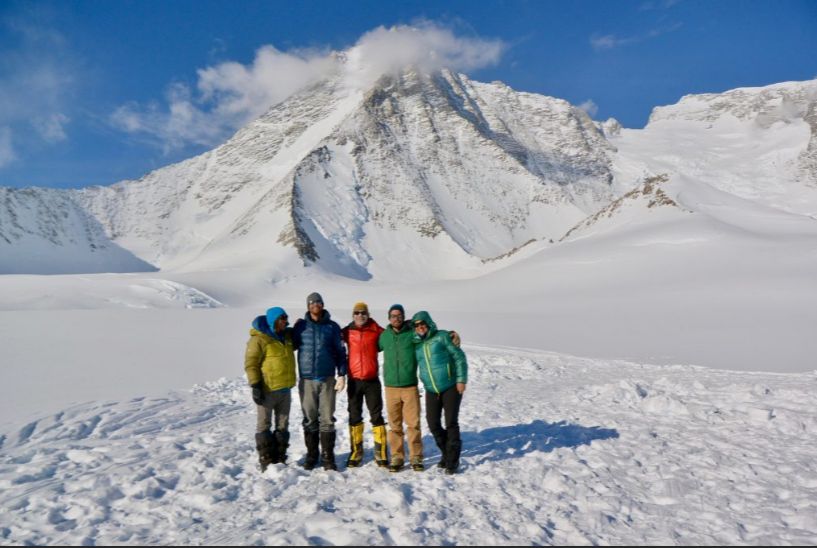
(444, 372)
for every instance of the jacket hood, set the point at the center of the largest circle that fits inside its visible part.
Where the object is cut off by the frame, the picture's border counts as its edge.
(273, 314)
(423, 316)
(261, 325)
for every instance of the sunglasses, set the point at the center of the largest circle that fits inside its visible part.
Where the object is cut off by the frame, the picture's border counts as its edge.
(360, 313)
(395, 316)
(420, 324)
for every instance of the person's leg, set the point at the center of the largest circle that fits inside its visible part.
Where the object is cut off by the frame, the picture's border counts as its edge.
(434, 408)
(451, 405)
(264, 415)
(283, 405)
(308, 391)
(411, 413)
(394, 410)
(374, 402)
(326, 404)
(354, 397)
(265, 443)
(355, 392)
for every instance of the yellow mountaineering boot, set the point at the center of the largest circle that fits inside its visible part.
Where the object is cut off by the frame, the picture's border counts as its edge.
(381, 456)
(356, 439)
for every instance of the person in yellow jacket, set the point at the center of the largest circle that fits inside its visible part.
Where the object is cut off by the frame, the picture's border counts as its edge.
(270, 366)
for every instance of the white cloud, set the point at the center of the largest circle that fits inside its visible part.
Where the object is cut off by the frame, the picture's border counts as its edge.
(37, 77)
(607, 41)
(51, 127)
(651, 5)
(230, 94)
(426, 46)
(590, 107)
(182, 123)
(6, 149)
(247, 91)
(611, 41)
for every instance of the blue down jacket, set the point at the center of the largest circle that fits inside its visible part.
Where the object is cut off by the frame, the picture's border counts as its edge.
(321, 353)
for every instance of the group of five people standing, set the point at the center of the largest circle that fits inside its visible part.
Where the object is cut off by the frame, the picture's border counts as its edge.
(323, 365)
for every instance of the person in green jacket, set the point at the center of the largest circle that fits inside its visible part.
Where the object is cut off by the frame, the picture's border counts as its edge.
(444, 372)
(402, 394)
(269, 362)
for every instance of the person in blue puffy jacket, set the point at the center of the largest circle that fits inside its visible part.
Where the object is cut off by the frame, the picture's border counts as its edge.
(322, 365)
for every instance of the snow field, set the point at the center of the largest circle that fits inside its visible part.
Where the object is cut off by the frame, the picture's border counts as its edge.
(557, 450)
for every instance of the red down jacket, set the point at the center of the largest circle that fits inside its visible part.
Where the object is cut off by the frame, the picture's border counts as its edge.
(362, 344)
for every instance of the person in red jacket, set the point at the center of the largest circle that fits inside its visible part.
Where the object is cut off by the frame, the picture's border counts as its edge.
(361, 338)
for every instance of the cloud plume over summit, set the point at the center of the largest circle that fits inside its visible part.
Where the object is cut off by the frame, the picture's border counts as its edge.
(230, 94)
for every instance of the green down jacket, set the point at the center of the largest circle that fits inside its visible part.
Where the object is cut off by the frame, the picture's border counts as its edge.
(399, 361)
(441, 364)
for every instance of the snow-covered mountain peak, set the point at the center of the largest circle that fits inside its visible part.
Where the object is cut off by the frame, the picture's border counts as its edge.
(784, 102)
(427, 174)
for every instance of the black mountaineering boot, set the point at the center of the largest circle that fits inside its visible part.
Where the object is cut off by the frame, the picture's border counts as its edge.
(267, 449)
(328, 451)
(396, 466)
(282, 439)
(311, 439)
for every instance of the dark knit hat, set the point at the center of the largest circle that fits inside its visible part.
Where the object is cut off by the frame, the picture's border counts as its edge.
(314, 298)
(397, 307)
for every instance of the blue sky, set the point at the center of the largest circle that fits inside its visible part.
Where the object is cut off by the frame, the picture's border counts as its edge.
(94, 92)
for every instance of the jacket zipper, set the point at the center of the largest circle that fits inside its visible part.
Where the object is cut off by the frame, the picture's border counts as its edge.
(428, 366)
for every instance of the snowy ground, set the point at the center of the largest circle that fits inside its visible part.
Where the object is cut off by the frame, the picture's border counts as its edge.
(557, 450)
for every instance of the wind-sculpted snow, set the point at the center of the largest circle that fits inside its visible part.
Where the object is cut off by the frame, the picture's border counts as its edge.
(94, 292)
(556, 450)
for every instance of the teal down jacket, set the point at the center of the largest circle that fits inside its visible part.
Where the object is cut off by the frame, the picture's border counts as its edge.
(441, 364)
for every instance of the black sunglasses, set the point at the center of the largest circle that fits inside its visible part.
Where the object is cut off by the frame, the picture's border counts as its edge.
(359, 313)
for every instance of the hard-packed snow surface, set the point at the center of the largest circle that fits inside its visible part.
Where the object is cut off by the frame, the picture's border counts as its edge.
(557, 450)
(513, 218)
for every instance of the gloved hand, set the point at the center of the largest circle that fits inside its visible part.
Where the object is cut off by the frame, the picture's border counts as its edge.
(340, 383)
(258, 394)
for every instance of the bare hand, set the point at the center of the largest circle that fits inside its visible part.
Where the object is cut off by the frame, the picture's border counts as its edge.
(455, 338)
(461, 388)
